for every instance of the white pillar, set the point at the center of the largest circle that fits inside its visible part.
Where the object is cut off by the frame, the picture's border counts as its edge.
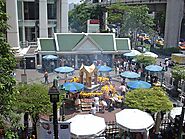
(58, 5)
(76, 61)
(64, 16)
(13, 31)
(43, 19)
(173, 22)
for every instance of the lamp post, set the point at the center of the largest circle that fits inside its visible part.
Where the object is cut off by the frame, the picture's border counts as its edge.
(54, 98)
(63, 110)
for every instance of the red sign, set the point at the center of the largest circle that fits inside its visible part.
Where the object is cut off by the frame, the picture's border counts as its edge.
(94, 21)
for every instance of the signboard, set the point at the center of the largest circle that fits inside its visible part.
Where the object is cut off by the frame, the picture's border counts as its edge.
(93, 26)
(45, 130)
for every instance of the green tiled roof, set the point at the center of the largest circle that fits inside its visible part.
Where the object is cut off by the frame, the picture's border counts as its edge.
(47, 44)
(67, 42)
(122, 44)
(106, 42)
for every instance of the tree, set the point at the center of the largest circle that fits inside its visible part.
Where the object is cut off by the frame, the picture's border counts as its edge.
(8, 119)
(34, 100)
(145, 60)
(152, 100)
(132, 19)
(81, 13)
(78, 17)
(178, 73)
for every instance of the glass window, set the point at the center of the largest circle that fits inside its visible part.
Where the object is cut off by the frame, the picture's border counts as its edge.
(19, 4)
(31, 11)
(21, 33)
(30, 34)
(51, 11)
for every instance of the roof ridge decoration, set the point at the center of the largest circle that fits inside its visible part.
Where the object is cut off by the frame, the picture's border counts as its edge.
(85, 39)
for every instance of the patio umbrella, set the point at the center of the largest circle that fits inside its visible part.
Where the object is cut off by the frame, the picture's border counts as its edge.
(134, 120)
(130, 75)
(150, 54)
(154, 68)
(87, 125)
(50, 57)
(138, 84)
(132, 53)
(175, 111)
(64, 69)
(104, 69)
(72, 86)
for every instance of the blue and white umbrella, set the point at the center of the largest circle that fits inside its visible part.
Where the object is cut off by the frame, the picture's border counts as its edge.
(138, 84)
(72, 86)
(104, 69)
(64, 69)
(130, 75)
(154, 68)
(50, 57)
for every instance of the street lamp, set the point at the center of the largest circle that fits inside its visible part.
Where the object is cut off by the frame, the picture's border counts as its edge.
(54, 98)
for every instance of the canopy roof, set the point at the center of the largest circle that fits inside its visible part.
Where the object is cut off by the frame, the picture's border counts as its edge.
(84, 43)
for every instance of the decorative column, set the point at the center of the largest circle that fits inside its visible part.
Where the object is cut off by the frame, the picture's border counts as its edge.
(13, 31)
(173, 22)
(43, 19)
(76, 61)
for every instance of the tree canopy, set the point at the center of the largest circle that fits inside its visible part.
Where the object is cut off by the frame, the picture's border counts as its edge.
(80, 14)
(178, 72)
(7, 65)
(153, 100)
(131, 18)
(34, 99)
(145, 60)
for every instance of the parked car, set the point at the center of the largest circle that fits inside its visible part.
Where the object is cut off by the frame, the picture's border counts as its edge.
(143, 36)
(159, 42)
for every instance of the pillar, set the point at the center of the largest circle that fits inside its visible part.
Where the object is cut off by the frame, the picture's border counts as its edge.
(43, 19)
(106, 22)
(62, 16)
(13, 31)
(173, 22)
(40, 59)
(76, 61)
(58, 5)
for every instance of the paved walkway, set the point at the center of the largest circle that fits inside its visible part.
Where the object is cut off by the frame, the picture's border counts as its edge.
(33, 76)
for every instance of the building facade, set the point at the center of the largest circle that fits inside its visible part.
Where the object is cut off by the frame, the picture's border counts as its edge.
(32, 19)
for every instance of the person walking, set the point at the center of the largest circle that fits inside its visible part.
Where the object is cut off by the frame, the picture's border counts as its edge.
(46, 77)
(96, 102)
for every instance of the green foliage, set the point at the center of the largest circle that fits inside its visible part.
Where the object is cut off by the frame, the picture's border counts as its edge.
(178, 72)
(34, 99)
(7, 82)
(145, 60)
(153, 100)
(131, 18)
(80, 14)
(11, 135)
